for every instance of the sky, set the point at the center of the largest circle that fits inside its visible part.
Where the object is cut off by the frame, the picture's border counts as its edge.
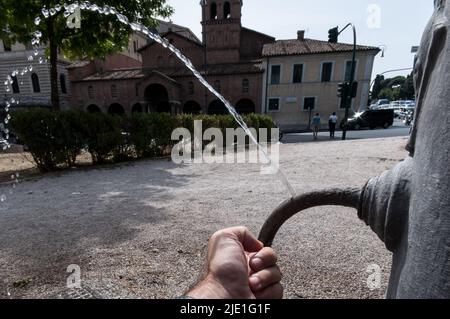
(395, 25)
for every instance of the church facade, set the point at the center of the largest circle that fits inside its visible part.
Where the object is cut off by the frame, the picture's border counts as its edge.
(229, 56)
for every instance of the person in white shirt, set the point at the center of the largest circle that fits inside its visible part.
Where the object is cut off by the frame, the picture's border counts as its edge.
(332, 124)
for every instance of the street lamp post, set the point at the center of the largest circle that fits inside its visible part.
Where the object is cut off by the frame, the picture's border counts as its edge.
(333, 35)
(348, 97)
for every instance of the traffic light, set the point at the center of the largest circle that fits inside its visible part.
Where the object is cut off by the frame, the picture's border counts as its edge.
(354, 90)
(333, 35)
(343, 90)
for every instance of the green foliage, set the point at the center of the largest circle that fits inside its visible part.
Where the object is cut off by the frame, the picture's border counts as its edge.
(98, 36)
(390, 94)
(103, 136)
(72, 134)
(378, 85)
(393, 89)
(55, 139)
(44, 133)
(151, 133)
(407, 90)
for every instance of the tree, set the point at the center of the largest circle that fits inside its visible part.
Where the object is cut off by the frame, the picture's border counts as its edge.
(393, 82)
(393, 89)
(392, 94)
(377, 86)
(407, 91)
(98, 36)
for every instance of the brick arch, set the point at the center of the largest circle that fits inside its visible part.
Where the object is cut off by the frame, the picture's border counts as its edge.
(157, 96)
(93, 108)
(245, 106)
(137, 108)
(217, 107)
(192, 107)
(116, 109)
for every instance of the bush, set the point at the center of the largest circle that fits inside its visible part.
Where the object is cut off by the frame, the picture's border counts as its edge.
(72, 134)
(57, 138)
(103, 136)
(42, 131)
(151, 133)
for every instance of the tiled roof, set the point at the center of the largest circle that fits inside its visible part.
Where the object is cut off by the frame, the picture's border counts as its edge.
(309, 46)
(170, 73)
(164, 27)
(78, 64)
(218, 69)
(116, 75)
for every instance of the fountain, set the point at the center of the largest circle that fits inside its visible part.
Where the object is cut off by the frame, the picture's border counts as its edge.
(69, 9)
(408, 207)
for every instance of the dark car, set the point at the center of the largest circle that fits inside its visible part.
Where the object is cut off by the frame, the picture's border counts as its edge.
(371, 119)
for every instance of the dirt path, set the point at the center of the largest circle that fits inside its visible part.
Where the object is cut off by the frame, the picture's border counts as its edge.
(140, 230)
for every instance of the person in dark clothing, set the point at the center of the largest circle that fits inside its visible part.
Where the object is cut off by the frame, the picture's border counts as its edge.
(332, 122)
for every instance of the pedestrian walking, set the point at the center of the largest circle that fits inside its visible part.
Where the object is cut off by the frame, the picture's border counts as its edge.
(332, 122)
(316, 125)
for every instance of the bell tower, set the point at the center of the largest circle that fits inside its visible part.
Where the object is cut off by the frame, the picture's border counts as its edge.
(221, 21)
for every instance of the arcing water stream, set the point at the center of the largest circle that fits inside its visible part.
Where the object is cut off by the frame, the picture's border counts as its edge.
(107, 10)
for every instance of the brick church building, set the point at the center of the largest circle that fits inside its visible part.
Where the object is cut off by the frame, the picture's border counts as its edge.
(148, 78)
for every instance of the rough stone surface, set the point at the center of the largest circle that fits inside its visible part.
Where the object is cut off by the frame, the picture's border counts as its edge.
(140, 230)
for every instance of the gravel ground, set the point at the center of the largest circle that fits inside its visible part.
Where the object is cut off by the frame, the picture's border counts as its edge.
(140, 230)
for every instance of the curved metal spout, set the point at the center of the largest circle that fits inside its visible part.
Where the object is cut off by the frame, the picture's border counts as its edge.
(349, 197)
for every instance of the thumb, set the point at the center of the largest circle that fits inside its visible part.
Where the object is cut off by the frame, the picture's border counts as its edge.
(247, 239)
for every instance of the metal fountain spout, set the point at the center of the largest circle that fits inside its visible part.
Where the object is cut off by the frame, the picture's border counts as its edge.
(408, 207)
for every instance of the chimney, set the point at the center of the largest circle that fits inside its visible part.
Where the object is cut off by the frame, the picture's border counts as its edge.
(301, 35)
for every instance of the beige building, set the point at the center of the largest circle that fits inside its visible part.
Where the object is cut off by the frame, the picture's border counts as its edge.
(302, 77)
(32, 88)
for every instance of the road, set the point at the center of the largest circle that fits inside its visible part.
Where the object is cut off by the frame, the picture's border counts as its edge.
(397, 130)
(140, 230)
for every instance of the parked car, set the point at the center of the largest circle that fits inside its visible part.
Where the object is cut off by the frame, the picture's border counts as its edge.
(371, 119)
(383, 103)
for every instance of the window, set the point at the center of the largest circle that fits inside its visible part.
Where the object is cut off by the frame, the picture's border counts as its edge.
(213, 11)
(245, 86)
(275, 76)
(35, 83)
(15, 85)
(137, 89)
(298, 73)
(274, 104)
(91, 92)
(309, 103)
(62, 80)
(191, 88)
(114, 92)
(135, 46)
(226, 10)
(348, 70)
(217, 86)
(327, 71)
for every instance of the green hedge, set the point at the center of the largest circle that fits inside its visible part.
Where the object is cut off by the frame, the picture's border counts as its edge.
(55, 139)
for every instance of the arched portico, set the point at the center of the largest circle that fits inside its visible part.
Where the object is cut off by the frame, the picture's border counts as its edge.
(158, 98)
(116, 109)
(245, 106)
(217, 107)
(192, 107)
(93, 109)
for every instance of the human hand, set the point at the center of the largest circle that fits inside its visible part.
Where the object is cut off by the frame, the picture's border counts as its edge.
(239, 267)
